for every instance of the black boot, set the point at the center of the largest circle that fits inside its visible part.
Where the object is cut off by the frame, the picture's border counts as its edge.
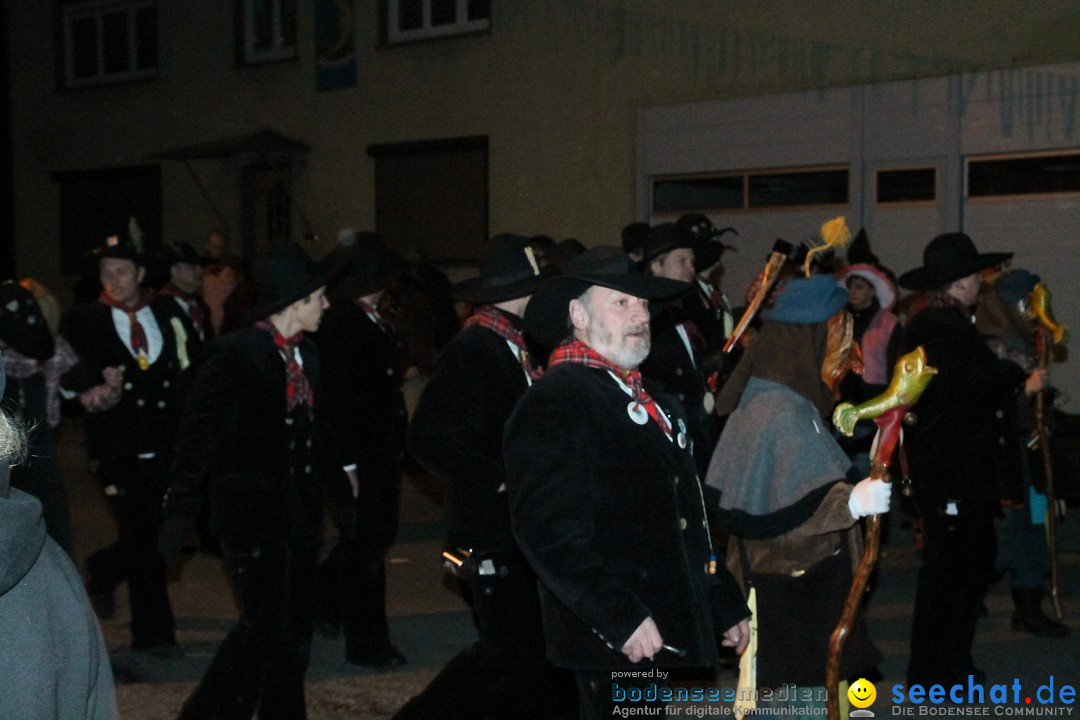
(1028, 616)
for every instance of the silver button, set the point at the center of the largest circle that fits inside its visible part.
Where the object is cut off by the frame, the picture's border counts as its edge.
(140, 402)
(161, 403)
(999, 414)
(389, 371)
(682, 523)
(165, 383)
(128, 386)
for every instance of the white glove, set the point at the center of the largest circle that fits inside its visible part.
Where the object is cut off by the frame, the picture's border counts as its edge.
(869, 497)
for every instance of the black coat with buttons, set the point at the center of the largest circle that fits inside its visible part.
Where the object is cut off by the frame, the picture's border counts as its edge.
(235, 432)
(364, 408)
(144, 421)
(679, 373)
(610, 515)
(363, 411)
(957, 450)
(457, 429)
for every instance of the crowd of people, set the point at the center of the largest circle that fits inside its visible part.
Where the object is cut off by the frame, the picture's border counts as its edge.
(625, 463)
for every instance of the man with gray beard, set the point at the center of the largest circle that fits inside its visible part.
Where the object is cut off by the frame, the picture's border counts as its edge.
(604, 497)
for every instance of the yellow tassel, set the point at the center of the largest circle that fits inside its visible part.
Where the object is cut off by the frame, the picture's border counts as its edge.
(834, 235)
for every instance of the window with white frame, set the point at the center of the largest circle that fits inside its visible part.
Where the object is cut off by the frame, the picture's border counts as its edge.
(409, 20)
(268, 30)
(106, 42)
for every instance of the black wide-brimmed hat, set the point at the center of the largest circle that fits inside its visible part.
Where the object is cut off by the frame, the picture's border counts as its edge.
(663, 238)
(286, 274)
(120, 247)
(366, 265)
(510, 268)
(949, 257)
(605, 265)
(634, 236)
(179, 252)
(707, 244)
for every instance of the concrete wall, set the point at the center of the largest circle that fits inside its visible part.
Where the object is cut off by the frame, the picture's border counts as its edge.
(556, 86)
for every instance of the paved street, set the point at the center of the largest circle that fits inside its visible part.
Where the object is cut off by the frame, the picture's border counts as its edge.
(430, 622)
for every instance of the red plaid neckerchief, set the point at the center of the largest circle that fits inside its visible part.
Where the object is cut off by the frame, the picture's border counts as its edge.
(575, 351)
(297, 388)
(934, 299)
(373, 313)
(139, 344)
(194, 309)
(498, 322)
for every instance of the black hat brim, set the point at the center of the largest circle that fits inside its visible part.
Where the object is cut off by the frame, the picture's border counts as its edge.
(350, 282)
(929, 278)
(323, 274)
(546, 314)
(477, 292)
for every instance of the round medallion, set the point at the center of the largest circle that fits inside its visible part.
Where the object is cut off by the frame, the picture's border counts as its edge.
(637, 413)
(681, 439)
(709, 401)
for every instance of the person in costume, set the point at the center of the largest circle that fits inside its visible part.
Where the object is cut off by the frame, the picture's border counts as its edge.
(250, 427)
(788, 495)
(34, 360)
(957, 455)
(456, 434)
(54, 663)
(1003, 315)
(876, 328)
(179, 297)
(709, 306)
(365, 420)
(678, 348)
(604, 499)
(126, 378)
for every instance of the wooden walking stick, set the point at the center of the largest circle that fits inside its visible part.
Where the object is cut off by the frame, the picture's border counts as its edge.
(1047, 333)
(910, 377)
(834, 234)
(780, 252)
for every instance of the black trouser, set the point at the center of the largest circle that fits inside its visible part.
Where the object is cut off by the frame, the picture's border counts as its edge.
(505, 674)
(958, 559)
(262, 662)
(136, 505)
(356, 567)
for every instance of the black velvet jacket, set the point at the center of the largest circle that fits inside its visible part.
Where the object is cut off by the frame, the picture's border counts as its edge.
(235, 431)
(680, 374)
(456, 434)
(609, 514)
(363, 408)
(144, 420)
(957, 449)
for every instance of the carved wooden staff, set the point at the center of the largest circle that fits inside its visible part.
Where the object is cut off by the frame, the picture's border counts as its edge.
(834, 234)
(1042, 348)
(910, 377)
(1047, 333)
(780, 252)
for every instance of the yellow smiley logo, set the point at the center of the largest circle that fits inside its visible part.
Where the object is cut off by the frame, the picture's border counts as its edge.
(862, 693)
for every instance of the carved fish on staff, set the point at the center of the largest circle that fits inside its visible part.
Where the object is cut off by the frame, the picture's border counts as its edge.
(910, 377)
